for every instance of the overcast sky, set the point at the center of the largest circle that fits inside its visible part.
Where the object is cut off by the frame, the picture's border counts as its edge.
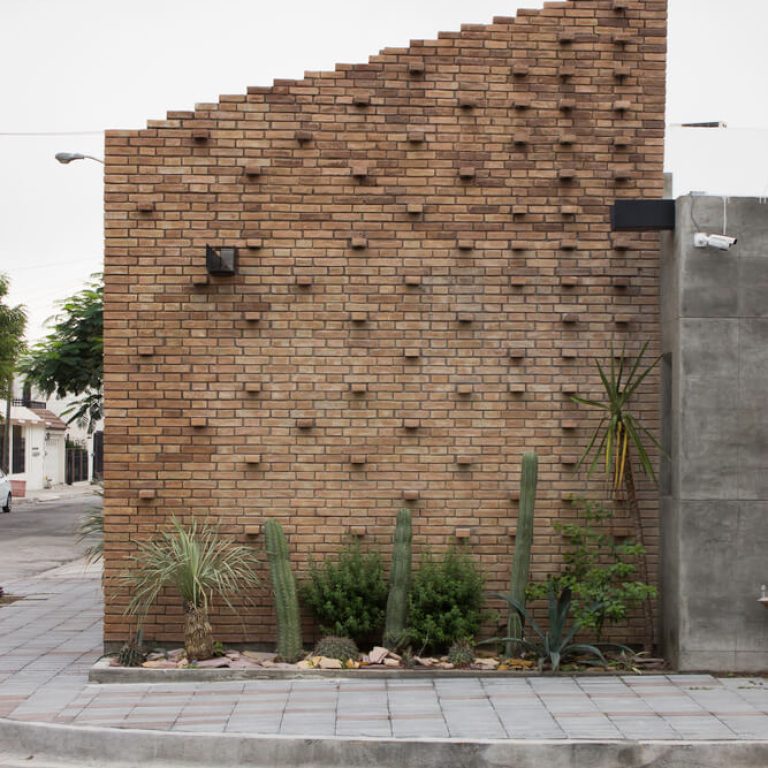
(81, 66)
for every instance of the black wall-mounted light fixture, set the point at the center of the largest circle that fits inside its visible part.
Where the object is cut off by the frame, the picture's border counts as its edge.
(220, 261)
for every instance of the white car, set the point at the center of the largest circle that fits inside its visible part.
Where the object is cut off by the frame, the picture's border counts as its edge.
(5, 493)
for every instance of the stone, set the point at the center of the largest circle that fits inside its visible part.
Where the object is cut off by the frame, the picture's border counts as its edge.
(326, 663)
(378, 654)
(217, 663)
(391, 662)
(305, 664)
(260, 656)
(159, 664)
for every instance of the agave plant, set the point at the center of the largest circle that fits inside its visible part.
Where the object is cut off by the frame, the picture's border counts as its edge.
(556, 644)
(200, 565)
(618, 434)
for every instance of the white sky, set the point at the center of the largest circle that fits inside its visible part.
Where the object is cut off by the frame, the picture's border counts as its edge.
(87, 65)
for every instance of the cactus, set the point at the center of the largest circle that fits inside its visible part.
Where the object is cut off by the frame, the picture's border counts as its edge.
(521, 564)
(289, 646)
(461, 653)
(341, 648)
(399, 581)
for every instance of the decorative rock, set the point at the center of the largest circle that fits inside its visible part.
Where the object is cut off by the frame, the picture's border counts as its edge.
(305, 664)
(378, 654)
(391, 663)
(159, 664)
(326, 663)
(260, 656)
(213, 663)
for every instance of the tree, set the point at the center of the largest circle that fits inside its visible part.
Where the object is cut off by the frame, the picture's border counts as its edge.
(13, 322)
(618, 437)
(70, 361)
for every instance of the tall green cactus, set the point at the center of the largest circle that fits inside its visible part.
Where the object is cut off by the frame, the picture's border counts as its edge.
(521, 564)
(289, 646)
(399, 581)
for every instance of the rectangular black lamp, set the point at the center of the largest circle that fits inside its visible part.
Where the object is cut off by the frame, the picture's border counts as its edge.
(642, 215)
(220, 261)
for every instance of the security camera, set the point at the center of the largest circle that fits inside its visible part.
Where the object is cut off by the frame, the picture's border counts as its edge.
(721, 242)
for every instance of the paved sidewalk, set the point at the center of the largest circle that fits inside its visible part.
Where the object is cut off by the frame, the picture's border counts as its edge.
(49, 640)
(59, 492)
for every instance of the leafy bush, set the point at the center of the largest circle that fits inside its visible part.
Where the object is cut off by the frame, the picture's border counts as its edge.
(599, 570)
(348, 595)
(445, 603)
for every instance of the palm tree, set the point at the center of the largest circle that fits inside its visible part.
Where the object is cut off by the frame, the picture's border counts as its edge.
(13, 322)
(616, 439)
(199, 565)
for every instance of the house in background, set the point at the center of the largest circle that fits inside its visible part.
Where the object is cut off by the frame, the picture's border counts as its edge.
(46, 451)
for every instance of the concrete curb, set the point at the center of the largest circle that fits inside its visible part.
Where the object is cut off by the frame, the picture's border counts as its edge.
(137, 748)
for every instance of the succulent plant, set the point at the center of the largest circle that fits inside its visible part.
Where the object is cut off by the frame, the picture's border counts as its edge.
(461, 653)
(132, 653)
(341, 648)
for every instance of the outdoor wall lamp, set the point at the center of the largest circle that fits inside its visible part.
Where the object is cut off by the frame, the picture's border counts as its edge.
(220, 261)
(68, 157)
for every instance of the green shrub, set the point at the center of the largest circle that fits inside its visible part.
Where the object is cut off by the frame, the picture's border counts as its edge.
(600, 571)
(341, 648)
(445, 603)
(348, 595)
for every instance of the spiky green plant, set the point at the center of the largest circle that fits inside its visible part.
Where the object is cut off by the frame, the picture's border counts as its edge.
(200, 565)
(289, 645)
(554, 645)
(341, 648)
(461, 653)
(91, 529)
(399, 582)
(618, 434)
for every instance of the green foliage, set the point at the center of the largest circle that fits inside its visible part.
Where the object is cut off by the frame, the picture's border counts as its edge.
(348, 594)
(446, 600)
(193, 560)
(341, 648)
(599, 570)
(556, 645)
(461, 653)
(13, 322)
(132, 654)
(399, 582)
(521, 564)
(70, 361)
(289, 645)
(91, 529)
(618, 428)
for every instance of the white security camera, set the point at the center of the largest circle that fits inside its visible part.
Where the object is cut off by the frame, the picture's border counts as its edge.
(721, 242)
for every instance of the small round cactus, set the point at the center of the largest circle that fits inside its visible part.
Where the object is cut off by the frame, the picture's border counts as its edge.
(461, 653)
(341, 648)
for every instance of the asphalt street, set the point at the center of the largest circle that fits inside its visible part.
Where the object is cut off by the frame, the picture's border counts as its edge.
(39, 535)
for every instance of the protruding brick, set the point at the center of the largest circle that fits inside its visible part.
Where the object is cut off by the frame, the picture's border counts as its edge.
(359, 170)
(411, 424)
(569, 424)
(567, 105)
(253, 388)
(358, 531)
(464, 390)
(252, 170)
(622, 141)
(146, 350)
(147, 494)
(468, 101)
(566, 174)
(569, 281)
(359, 317)
(198, 422)
(200, 134)
(465, 317)
(622, 71)
(358, 459)
(410, 495)
(520, 70)
(521, 138)
(358, 242)
(568, 139)
(622, 105)
(465, 460)
(252, 459)
(465, 244)
(415, 209)
(145, 206)
(412, 353)
(303, 136)
(569, 318)
(200, 280)
(463, 533)
(620, 283)
(361, 99)
(516, 353)
(623, 319)
(358, 387)
(305, 423)
(569, 244)
(516, 388)
(467, 172)
(412, 281)
(416, 67)
(304, 281)
(416, 136)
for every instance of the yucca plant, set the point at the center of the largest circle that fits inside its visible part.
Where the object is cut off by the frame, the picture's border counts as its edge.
(618, 435)
(200, 565)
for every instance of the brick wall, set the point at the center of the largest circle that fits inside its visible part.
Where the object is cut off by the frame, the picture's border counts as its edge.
(426, 273)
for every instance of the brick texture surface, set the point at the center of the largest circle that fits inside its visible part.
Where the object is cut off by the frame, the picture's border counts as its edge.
(425, 273)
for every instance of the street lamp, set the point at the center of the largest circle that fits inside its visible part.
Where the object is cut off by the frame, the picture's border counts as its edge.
(68, 157)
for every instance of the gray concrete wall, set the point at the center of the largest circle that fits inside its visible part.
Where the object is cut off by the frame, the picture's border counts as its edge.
(715, 482)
